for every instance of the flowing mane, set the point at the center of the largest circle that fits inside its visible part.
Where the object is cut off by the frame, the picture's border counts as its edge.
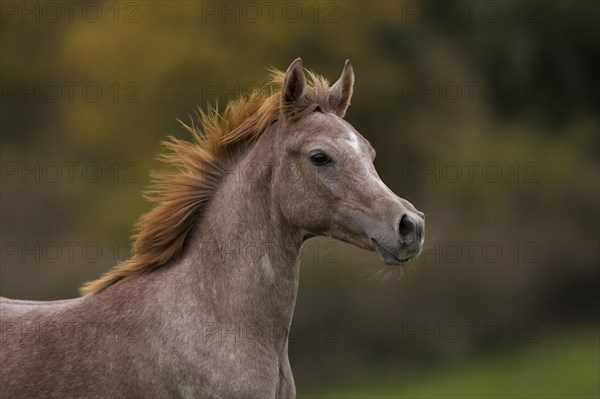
(199, 166)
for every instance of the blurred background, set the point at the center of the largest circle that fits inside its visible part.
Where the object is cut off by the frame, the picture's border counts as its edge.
(483, 114)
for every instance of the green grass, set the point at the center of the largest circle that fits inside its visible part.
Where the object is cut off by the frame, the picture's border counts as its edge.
(566, 368)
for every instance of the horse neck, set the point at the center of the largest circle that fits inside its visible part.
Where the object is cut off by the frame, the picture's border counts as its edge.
(241, 263)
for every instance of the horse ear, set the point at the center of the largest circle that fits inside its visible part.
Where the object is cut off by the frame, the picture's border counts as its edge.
(294, 86)
(341, 91)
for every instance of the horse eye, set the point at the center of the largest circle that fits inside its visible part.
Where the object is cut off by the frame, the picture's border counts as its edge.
(319, 159)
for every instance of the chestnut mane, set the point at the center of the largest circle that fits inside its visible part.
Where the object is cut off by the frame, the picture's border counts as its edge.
(181, 195)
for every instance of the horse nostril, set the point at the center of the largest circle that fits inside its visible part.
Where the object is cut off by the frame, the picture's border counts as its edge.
(406, 227)
(410, 229)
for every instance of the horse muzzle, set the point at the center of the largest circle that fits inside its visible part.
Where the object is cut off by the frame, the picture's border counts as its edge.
(406, 242)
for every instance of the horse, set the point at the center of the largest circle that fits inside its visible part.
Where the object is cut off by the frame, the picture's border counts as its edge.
(204, 304)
